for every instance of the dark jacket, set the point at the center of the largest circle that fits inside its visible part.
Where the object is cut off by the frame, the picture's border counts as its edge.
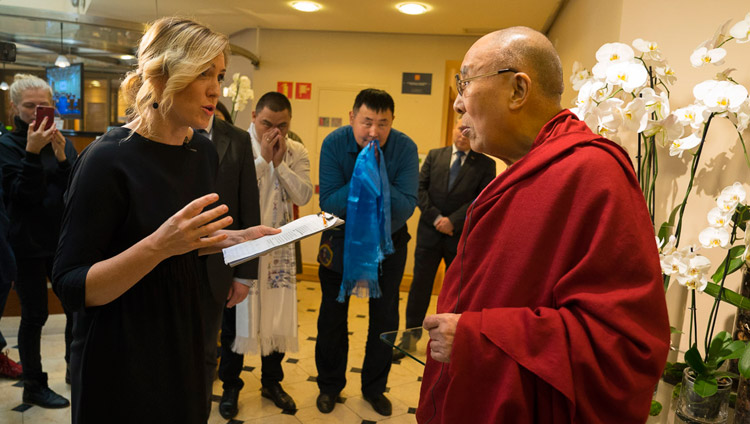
(33, 186)
(435, 198)
(7, 261)
(237, 187)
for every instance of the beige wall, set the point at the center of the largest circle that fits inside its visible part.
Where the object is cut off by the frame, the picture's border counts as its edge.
(678, 28)
(580, 29)
(334, 61)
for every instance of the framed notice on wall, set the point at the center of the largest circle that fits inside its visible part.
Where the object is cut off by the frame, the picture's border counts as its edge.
(414, 83)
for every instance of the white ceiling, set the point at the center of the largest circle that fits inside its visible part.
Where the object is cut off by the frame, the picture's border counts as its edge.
(450, 17)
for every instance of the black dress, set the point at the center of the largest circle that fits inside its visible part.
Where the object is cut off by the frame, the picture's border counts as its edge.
(139, 358)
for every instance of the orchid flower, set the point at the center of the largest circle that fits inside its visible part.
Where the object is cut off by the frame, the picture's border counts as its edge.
(634, 115)
(666, 74)
(718, 217)
(628, 75)
(703, 56)
(741, 30)
(580, 76)
(665, 130)
(714, 237)
(731, 196)
(695, 275)
(609, 54)
(723, 96)
(681, 145)
(694, 115)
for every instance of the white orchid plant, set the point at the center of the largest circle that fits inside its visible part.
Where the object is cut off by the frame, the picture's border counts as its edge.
(241, 92)
(627, 93)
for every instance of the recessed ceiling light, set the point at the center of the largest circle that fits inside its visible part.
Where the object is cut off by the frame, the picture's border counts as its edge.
(127, 57)
(306, 6)
(413, 8)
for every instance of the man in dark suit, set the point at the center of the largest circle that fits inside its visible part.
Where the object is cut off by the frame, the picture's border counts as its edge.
(237, 187)
(450, 179)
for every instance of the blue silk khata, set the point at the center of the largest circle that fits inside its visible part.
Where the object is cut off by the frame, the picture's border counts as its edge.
(368, 225)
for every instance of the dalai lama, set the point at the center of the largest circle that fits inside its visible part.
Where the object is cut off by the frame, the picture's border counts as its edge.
(553, 310)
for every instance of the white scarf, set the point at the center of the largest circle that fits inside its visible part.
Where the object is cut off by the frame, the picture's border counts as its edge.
(268, 316)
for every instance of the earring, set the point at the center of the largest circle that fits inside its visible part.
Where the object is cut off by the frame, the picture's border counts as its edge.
(155, 105)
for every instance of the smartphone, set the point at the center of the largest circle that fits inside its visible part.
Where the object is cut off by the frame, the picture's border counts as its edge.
(44, 112)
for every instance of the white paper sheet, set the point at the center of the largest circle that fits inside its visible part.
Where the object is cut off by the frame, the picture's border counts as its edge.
(291, 232)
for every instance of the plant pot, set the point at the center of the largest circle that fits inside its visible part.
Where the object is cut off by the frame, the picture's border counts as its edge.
(693, 408)
(742, 332)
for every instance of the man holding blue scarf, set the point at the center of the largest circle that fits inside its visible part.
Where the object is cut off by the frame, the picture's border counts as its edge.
(369, 175)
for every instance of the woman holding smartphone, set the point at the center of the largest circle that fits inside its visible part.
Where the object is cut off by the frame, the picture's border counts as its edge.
(36, 161)
(138, 210)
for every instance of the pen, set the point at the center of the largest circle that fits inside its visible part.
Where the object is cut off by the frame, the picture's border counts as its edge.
(323, 215)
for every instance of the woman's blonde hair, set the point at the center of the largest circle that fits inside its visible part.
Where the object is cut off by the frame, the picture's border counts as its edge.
(171, 55)
(23, 82)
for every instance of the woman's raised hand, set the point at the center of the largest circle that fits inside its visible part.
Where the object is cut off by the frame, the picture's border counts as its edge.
(191, 228)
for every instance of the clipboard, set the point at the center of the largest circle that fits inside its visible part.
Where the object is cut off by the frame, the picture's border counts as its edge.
(291, 232)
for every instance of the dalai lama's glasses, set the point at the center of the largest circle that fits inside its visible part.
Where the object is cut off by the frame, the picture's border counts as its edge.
(462, 83)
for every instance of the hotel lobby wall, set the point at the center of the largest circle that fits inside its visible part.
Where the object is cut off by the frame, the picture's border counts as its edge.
(338, 65)
(678, 28)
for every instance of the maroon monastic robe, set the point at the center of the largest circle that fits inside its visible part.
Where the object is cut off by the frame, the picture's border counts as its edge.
(558, 282)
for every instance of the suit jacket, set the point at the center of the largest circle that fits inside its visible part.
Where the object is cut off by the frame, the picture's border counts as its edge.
(237, 187)
(435, 198)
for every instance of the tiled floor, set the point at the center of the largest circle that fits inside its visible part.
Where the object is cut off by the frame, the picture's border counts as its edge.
(299, 380)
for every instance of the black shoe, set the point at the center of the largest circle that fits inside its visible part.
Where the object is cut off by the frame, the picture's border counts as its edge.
(228, 404)
(279, 397)
(44, 396)
(398, 355)
(326, 402)
(380, 404)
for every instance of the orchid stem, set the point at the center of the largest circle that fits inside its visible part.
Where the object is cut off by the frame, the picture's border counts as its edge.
(693, 169)
(715, 309)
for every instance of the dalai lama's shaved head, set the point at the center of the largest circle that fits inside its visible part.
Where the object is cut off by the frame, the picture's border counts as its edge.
(528, 50)
(513, 85)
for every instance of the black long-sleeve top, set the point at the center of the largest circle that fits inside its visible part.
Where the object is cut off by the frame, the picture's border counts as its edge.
(33, 186)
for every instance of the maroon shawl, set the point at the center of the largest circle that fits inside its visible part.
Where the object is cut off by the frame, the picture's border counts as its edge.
(558, 282)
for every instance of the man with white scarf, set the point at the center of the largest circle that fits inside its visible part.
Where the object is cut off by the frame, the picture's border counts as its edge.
(267, 319)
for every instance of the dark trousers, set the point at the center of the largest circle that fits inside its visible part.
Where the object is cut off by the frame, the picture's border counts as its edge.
(426, 263)
(31, 286)
(4, 290)
(215, 316)
(332, 345)
(231, 363)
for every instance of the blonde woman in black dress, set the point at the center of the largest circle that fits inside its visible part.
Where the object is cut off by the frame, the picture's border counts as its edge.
(128, 261)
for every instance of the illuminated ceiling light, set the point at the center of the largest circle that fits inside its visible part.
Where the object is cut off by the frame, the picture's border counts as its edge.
(413, 8)
(95, 84)
(306, 6)
(61, 61)
(127, 57)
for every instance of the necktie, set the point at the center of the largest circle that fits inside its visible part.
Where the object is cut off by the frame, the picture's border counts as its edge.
(455, 168)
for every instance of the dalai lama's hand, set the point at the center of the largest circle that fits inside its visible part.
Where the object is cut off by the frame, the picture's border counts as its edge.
(442, 328)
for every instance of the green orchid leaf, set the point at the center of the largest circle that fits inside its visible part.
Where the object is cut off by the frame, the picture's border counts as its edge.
(735, 263)
(674, 330)
(706, 386)
(655, 408)
(744, 364)
(720, 374)
(718, 345)
(742, 216)
(735, 350)
(729, 296)
(694, 360)
(666, 228)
